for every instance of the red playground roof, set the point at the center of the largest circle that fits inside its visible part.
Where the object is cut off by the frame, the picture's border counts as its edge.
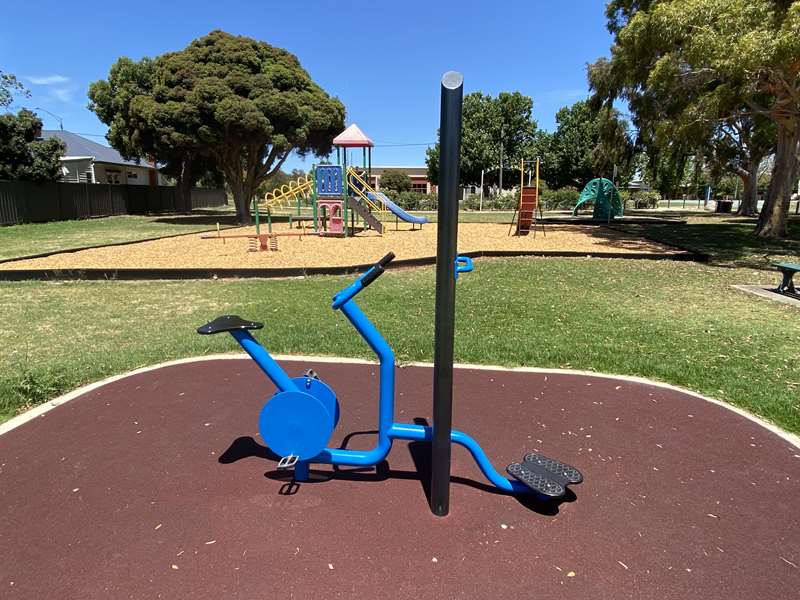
(353, 137)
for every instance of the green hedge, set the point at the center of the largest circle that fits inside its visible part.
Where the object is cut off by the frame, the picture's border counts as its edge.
(640, 199)
(412, 200)
(562, 198)
(508, 201)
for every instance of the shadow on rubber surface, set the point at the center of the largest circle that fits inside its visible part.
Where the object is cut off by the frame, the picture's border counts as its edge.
(246, 447)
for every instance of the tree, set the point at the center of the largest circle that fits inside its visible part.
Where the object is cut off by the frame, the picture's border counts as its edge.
(587, 143)
(488, 125)
(739, 145)
(392, 179)
(10, 85)
(225, 102)
(244, 104)
(691, 120)
(24, 156)
(118, 103)
(725, 53)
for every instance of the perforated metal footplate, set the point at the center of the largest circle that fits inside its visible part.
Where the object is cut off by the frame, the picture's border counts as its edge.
(544, 475)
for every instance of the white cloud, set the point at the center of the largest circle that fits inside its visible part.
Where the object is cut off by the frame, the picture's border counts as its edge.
(63, 94)
(48, 79)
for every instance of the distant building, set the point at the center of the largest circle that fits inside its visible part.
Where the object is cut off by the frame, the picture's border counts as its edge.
(418, 175)
(89, 162)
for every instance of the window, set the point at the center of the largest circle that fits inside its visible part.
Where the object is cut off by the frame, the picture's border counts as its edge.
(420, 187)
(112, 177)
(132, 175)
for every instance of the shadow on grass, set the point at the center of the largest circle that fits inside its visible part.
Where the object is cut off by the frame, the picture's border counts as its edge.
(199, 219)
(729, 241)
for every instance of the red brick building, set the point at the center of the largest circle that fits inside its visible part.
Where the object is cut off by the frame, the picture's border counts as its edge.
(418, 175)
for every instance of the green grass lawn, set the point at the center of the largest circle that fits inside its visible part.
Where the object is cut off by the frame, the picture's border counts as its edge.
(36, 238)
(729, 240)
(671, 321)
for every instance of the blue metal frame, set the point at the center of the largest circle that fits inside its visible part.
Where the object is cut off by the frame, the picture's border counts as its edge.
(388, 430)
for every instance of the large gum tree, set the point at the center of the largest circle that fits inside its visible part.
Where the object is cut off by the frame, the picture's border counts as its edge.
(742, 56)
(224, 103)
(246, 105)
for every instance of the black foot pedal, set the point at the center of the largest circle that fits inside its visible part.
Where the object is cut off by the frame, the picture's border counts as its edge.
(544, 475)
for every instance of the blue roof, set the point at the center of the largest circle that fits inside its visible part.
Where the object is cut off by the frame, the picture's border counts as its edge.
(80, 146)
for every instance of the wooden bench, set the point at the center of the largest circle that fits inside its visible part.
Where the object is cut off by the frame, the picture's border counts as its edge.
(787, 270)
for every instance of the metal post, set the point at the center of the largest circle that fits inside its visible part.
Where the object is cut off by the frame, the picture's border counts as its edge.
(447, 236)
(255, 208)
(345, 191)
(480, 206)
(314, 196)
(502, 131)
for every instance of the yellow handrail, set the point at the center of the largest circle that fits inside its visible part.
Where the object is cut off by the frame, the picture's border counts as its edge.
(301, 187)
(353, 174)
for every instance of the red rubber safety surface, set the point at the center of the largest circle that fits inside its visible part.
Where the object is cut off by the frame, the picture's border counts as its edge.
(140, 489)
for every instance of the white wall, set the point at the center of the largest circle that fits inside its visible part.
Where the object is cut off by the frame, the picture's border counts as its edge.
(121, 174)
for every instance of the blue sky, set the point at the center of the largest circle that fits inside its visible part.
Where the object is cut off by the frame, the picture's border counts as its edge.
(384, 60)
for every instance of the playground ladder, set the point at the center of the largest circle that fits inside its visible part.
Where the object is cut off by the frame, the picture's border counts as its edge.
(525, 214)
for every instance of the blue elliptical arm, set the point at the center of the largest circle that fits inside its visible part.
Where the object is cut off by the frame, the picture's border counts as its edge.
(403, 215)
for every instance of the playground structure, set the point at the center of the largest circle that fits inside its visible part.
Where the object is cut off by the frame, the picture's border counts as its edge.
(526, 212)
(334, 192)
(605, 196)
(298, 421)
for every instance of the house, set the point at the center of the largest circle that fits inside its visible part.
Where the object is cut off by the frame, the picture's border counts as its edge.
(418, 175)
(89, 162)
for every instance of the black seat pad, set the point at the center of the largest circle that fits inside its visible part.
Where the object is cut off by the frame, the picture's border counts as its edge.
(228, 323)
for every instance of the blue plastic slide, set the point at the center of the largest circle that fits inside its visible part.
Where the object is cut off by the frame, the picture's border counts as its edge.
(381, 197)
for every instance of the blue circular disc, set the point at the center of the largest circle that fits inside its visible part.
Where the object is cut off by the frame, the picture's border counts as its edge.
(322, 392)
(295, 423)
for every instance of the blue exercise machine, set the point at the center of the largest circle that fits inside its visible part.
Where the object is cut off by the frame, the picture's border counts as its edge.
(298, 421)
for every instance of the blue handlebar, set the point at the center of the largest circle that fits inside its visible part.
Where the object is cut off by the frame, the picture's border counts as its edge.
(463, 265)
(348, 293)
(363, 281)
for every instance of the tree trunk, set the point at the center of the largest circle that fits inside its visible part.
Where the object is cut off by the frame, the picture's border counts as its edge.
(185, 184)
(749, 204)
(244, 182)
(241, 200)
(772, 221)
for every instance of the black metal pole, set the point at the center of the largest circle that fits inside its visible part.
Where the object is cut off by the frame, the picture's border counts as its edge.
(447, 236)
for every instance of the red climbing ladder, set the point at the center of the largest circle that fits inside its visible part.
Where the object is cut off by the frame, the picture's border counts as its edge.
(526, 212)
